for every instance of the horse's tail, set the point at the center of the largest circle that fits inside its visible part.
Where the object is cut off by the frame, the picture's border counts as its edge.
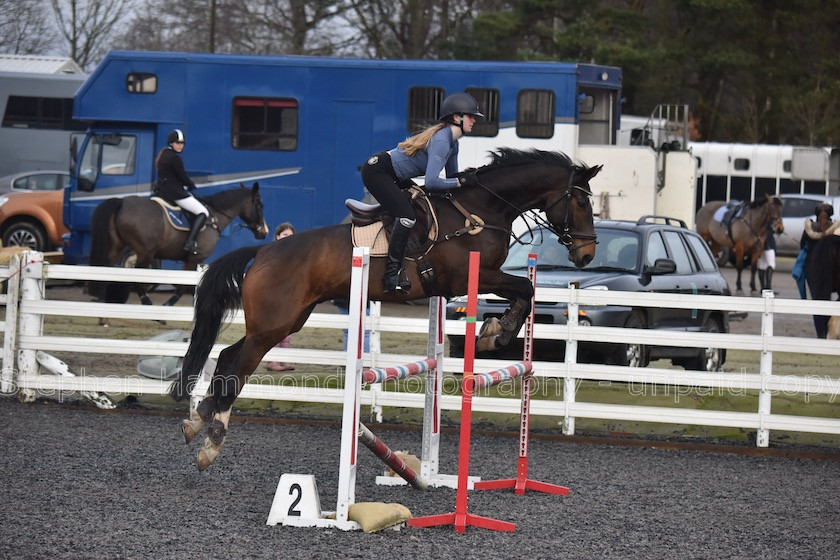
(100, 248)
(218, 294)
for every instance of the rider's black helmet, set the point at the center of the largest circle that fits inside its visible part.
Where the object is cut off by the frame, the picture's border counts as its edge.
(175, 136)
(459, 103)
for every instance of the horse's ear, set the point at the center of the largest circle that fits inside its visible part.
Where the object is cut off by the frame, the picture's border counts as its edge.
(591, 172)
(256, 188)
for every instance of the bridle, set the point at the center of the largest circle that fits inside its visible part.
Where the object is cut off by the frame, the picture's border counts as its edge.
(253, 228)
(566, 237)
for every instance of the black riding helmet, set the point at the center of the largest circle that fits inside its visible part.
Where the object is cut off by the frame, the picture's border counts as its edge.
(459, 103)
(175, 136)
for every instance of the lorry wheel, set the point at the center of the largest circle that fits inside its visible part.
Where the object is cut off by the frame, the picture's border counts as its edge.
(25, 234)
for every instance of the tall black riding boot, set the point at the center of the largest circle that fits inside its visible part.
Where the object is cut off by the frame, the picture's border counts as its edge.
(768, 279)
(394, 279)
(190, 246)
(762, 279)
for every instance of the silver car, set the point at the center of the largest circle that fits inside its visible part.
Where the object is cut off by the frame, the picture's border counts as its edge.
(45, 180)
(796, 209)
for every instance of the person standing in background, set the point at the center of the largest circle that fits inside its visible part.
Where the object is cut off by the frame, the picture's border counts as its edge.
(283, 230)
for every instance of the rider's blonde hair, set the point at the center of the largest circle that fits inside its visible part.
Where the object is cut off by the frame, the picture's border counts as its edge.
(420, 140)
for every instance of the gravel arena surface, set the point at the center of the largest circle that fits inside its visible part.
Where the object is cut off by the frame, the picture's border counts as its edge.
(86, 484)
(82, 483)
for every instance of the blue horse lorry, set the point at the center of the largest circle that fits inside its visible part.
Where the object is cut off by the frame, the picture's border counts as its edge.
(302, 126)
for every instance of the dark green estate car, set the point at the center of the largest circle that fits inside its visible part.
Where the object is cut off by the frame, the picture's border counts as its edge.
(651, 255)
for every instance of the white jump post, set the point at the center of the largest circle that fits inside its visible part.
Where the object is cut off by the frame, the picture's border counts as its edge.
(430, 450)
(296, 501)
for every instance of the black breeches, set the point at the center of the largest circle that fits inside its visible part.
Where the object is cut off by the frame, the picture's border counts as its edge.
(379, 178)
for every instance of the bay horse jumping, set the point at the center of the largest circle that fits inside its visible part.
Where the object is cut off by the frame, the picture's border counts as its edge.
(287, 278)
(139, 224)
(746, 235)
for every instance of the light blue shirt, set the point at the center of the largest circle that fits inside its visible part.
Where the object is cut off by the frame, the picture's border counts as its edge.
(442, 152)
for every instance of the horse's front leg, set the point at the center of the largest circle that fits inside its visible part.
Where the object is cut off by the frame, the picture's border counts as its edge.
(235, 365)
(496, 333)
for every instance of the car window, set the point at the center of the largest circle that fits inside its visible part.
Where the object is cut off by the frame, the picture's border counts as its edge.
(798, 207)
(703, 253)
(41, 182)
(678, 252)
(616, 249)
(656, 249)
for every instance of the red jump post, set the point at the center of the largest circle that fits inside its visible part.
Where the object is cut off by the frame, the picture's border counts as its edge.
(460, 518)
(522, 483)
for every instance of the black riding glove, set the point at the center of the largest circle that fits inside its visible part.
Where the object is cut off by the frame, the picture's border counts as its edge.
(468, 179)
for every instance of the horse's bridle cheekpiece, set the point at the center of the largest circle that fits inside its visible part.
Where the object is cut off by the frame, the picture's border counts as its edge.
(566, 236)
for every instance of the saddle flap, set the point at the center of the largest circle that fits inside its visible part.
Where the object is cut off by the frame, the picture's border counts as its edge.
(176, 217)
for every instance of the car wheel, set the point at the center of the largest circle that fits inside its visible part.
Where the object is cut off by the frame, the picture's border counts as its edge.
(633, 355)
(709, 359)
(25, 234)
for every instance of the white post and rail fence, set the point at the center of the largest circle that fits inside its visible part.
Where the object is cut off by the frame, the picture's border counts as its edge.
(29, 367)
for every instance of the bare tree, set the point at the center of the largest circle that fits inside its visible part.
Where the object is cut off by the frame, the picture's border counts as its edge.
(25, 27)
(410, 28)
(296, 26)
(242, 27)
(88, 26)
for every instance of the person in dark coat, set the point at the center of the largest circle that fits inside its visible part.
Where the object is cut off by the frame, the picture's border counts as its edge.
(814, 231)
(175, 186)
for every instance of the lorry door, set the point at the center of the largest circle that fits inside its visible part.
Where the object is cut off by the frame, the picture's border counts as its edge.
(111, 164)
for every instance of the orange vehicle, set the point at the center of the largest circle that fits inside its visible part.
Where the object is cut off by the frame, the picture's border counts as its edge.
(33, 219)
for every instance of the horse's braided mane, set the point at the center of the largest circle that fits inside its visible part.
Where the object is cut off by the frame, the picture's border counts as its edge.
(503, 157)
(225, 199)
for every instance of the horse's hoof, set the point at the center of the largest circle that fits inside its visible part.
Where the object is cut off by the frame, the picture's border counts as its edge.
(190, 429)
(739, 292)
(754, 293)
(490, 327)
(206, 455)
(485, 344)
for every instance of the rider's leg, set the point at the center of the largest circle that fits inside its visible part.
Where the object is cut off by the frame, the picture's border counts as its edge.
(770, 255)
(192, 205)
(395, 280)
(379, 178)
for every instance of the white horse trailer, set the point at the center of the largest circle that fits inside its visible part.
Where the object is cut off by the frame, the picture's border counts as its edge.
(737, 171)
(36, 104)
